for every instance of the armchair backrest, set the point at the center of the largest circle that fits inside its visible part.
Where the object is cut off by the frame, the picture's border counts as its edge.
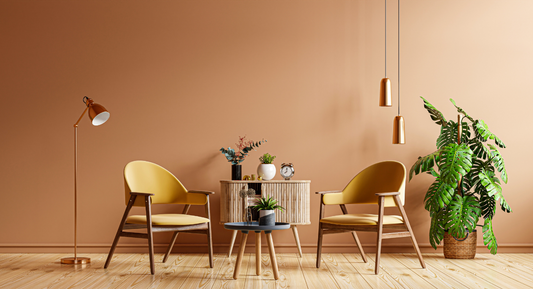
(387, 176)
(147, 177)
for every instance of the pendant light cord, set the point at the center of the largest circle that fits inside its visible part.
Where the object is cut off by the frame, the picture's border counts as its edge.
(398, 57)
(385, 38)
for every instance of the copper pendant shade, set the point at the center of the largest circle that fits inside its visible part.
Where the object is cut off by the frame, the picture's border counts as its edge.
(398, 133)
(385, 98)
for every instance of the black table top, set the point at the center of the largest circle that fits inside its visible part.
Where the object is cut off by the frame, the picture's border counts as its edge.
(254, 226)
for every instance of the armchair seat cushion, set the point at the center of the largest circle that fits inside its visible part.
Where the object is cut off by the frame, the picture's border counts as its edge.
(362, 219)
(168, 220)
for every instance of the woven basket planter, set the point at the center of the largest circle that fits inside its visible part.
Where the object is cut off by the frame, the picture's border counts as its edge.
(460, 248)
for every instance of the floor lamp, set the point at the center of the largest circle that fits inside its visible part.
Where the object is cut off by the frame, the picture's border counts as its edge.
(98, 115)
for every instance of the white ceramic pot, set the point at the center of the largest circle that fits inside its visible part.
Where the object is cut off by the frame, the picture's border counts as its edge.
(266, 171)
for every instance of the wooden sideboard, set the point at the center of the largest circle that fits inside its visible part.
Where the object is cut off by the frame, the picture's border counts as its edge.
(293, 195)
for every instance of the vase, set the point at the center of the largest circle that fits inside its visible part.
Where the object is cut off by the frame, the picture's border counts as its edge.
(266, 171)
(460, 248)
(236, 172)
(267, 218)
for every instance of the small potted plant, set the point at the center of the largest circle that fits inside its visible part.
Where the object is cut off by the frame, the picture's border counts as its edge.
(266, 207)
(266, 170)
(235, 157)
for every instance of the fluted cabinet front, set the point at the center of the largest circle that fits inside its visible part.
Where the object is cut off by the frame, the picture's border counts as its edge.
(294, 196)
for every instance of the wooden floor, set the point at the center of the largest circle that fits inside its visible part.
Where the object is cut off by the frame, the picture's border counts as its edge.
(337, 271)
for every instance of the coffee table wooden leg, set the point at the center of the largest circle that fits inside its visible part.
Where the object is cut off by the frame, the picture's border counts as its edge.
(258, 253)
(297, 239)
(273, 260)
(233, 237)
(241, 254)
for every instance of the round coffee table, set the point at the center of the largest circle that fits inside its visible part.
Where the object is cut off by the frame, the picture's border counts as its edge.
(245, 227)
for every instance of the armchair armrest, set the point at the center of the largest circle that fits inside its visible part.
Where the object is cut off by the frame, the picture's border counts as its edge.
(328, 192)
(387, 194)
(141, 194)
(201, 192)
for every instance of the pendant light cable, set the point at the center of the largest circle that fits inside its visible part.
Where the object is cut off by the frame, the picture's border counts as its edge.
(385, 38)
(398, 57)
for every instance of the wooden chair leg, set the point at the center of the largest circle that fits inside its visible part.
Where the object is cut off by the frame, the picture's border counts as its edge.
(171, 245)
(408, 225)
(319, 246)
(119, 231)
(175, 236)
(210, 245)
(359, 246)
(149, 232)
(354, 234)
(232, 243)
(380, 232)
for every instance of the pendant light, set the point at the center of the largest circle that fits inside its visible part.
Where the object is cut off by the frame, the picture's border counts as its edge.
(385, 98)
(398, 134)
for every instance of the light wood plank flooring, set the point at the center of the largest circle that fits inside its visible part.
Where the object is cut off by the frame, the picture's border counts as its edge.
(336, 271)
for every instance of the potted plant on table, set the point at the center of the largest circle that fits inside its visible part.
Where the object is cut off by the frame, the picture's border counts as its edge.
(266, 170)
(466, 185)
(266, 207)
(235, 157)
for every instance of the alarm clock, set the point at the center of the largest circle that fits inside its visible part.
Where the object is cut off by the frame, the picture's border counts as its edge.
(286, 171)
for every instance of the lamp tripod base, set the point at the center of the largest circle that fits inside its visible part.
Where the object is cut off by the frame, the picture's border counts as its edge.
(76, 260)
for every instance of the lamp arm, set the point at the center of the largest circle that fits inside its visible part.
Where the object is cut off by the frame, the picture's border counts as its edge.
(76, 124)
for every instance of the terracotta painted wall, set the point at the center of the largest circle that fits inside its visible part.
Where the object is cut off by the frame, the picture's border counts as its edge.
(184, 78)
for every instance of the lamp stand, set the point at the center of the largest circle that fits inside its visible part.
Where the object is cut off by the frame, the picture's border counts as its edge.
(76, 260)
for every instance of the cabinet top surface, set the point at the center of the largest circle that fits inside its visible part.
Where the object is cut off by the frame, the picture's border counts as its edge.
(266, 182)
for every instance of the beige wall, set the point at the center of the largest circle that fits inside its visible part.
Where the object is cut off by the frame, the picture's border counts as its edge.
(184, 78)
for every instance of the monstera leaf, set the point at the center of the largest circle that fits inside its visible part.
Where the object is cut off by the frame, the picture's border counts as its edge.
(436, 231)
(479, 149)
(424, 164)
(438, 196)
(483, 130)
(435, 114)
(461, 111)
(455, 161)
(488, 236)
(504, 205)
(478, 165)
(487, 204)
(498, 162)
(463, 212)
(490, 182)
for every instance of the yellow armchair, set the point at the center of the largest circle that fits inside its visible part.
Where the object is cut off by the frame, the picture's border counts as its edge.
(382, 184)
(147, 183)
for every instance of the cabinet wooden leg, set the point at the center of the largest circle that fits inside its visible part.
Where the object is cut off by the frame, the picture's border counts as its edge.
(273, 260)
(258, 253)
(241, 254)
(233, 237)
(297, 239)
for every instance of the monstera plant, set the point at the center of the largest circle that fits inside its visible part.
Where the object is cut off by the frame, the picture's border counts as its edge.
(466, 166)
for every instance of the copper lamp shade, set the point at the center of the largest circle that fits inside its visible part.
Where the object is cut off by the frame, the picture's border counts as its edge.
(385, 98)
(97, 113)
(398, 134)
